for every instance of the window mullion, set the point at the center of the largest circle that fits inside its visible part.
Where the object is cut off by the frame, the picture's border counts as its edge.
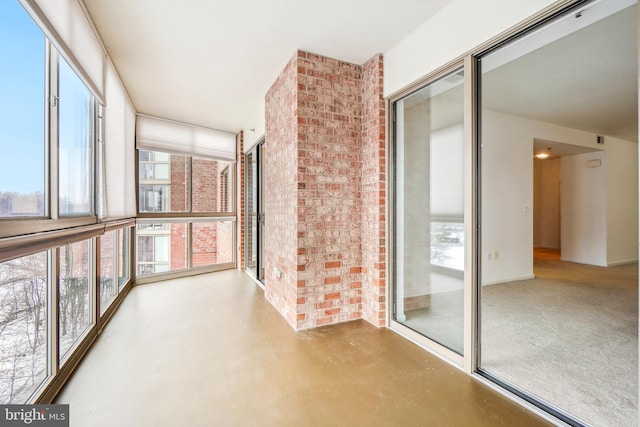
(52, 126)
(54, 304)
(189, 184)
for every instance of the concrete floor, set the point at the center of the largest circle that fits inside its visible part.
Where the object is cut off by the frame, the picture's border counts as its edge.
(210, 351)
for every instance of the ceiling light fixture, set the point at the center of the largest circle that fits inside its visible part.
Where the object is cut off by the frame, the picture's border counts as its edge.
(543, 155)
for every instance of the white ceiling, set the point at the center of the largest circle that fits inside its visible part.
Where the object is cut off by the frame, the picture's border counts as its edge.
(586, 80)
(211, 62)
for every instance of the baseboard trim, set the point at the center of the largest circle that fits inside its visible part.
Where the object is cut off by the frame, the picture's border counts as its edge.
(628, 261)
(509, 279)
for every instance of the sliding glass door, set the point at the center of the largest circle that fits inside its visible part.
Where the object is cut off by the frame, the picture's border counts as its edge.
(429, 205)
(558, 288)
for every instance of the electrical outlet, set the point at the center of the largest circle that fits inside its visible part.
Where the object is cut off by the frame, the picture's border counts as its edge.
(489, 257)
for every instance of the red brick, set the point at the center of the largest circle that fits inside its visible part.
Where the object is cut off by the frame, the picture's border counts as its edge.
(331, 280)
(332, 295)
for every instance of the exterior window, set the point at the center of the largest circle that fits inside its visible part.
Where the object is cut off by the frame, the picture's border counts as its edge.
(124, 245)
(212, 243)
(75, 283)
(75, 144)
(170, 184)
(22, 111)
(161, 248)
(114, 265)
(30, 61)
(23, 327)
(108, 260)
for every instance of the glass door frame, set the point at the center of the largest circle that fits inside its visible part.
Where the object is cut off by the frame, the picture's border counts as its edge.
(464, 361)
(258, 152)
(469, 62)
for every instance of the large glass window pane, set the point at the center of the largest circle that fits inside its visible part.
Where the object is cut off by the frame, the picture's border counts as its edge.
(161, 247)
(74, 293)
(75, 144)
(212, 243)
(429, 205)
(558, 257)
(22, 106)
(108, 285)
(23, 327)
(124, 237)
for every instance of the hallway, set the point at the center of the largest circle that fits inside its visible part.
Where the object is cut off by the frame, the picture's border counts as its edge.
(210, 351)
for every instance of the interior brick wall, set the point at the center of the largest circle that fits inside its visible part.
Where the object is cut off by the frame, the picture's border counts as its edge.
(324, 187)
(329, 260)
(373, 193)
(280, 198)
(240, 202)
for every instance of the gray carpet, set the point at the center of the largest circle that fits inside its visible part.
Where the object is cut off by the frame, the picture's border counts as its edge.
(568, 337)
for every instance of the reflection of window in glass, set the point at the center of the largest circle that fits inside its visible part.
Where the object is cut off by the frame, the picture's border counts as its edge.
(447, 244)
(75, 281)
(75, 144)
(23, 327)
(22, 106)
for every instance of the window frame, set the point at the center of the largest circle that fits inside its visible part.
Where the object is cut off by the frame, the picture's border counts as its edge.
(52, 220)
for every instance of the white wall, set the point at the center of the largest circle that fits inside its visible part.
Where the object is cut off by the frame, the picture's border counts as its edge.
(252, 137)
(456, 29)
(507, 186)
(622, 201)
(584, 209)
(507, 191)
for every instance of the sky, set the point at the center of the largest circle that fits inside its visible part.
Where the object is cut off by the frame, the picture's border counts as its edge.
(22, 100)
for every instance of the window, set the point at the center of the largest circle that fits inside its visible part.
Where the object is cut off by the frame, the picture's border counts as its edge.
(22, 114)
(114, 265)
(51, 122)
(198, 190)
(123, 259)
(108, 285)
(47, 129)
(74, 293)
(23, 327)
(212, 243)
(161, 247)
(75, 146)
